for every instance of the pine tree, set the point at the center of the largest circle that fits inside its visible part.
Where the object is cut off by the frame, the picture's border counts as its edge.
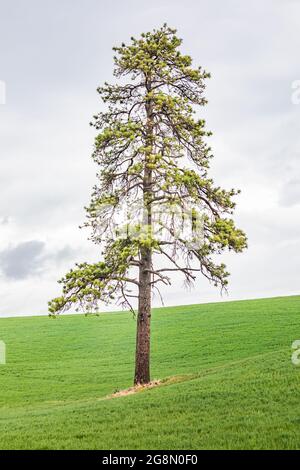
(153, 160)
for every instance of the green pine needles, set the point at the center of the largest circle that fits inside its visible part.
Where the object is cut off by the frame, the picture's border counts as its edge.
(153, 159)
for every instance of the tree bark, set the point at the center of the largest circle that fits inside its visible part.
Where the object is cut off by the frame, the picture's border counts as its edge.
(142, 359)
(142, 362)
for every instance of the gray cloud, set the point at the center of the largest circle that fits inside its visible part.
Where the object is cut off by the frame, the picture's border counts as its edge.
(66, 253)
(22, 260)
(290, 194)
(31, 258)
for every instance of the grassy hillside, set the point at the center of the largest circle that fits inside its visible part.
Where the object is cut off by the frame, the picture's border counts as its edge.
(234, 385)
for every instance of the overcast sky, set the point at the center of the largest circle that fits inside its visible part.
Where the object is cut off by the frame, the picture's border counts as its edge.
(54, 54)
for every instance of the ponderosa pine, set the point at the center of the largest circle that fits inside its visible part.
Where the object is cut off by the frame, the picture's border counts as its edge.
(153, 158)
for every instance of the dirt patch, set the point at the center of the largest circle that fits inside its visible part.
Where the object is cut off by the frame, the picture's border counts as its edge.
(136, 389)
(176, 379)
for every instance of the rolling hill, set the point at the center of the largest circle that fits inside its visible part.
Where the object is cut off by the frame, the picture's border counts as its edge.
(226, 372)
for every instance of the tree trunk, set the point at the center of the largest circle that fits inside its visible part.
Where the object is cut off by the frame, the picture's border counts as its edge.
(142, 360)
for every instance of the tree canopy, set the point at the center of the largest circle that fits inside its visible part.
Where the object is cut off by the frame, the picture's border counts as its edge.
(153, 159)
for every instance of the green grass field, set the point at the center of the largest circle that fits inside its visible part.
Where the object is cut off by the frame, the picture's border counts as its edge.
(233, 386)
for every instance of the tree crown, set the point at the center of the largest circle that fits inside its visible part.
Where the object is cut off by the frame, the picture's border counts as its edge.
(153, 179)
